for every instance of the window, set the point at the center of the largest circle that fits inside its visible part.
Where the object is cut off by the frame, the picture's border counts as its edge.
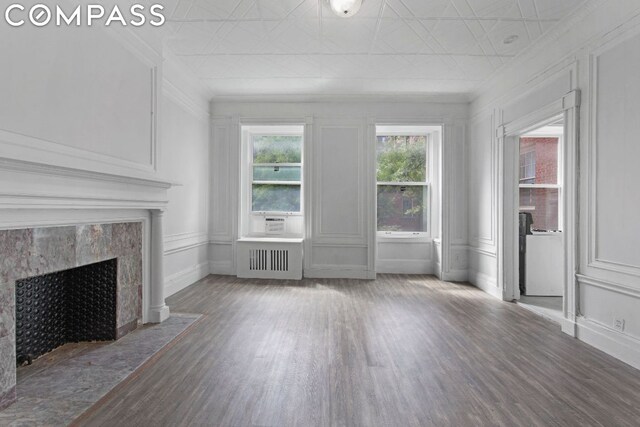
(528, 167)
(272, 177)
(276, 173)
(402, 180)
(539, 180)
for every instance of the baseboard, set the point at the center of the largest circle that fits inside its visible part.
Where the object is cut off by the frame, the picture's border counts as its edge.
(404, 266)
(569, 327)
(180, 280)
(485, 283)
(437, 270)
(338, 273)
(456, 276)
(222, 268)
(620, 346)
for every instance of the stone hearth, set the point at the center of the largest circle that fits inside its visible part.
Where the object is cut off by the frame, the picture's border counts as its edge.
(32, 252)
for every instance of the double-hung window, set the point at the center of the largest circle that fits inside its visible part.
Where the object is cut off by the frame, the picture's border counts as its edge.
(272, 189)
(276, 173)
(402, 181)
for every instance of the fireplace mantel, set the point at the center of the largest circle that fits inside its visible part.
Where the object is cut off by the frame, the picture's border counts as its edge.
(36, 195)
(31, 185)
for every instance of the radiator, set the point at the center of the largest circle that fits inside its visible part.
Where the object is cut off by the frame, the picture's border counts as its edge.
(269, 258)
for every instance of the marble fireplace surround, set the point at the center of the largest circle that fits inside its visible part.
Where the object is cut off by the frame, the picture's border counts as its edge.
(35, 251)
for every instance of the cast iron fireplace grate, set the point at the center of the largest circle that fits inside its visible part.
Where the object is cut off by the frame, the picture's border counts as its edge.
(73, 305)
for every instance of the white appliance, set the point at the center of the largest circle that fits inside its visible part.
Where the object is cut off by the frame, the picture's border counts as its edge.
(545, 264)
(275, 225)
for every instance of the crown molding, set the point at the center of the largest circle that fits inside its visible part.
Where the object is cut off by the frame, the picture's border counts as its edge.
(421, 98)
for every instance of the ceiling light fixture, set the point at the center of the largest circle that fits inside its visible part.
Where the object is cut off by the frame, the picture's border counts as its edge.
(345, 8)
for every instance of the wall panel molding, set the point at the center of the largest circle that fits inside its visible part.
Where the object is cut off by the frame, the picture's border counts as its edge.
(37, 149)
(608, 285)
(490, 238)
(594, 259)
(185, 241)
(18, 147)
(486, 252)
(323, 232)
(222, 161)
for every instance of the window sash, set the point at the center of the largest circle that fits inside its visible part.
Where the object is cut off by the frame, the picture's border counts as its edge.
(273, 165)
(253, 181)
(426, 155)
(277, 182)
(550, 186)
(527, 166)
(532, 208)
(426, 202)
(403, 184)
(283, 195)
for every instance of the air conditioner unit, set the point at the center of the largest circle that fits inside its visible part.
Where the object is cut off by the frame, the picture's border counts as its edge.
(269, 258)
(275, 225)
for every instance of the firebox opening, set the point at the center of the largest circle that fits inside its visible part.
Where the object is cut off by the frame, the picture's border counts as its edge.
(79, 304)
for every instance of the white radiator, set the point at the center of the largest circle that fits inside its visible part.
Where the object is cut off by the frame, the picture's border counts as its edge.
(269, 258)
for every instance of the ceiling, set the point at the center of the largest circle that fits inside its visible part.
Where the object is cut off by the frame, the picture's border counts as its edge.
(391, 47)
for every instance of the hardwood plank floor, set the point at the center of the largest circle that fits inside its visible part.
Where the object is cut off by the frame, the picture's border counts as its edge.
(398, 351)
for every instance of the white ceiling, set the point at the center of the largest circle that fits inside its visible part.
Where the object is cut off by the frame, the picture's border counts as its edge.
(285, 47)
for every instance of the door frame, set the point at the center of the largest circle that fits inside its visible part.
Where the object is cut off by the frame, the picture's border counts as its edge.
(508, 135)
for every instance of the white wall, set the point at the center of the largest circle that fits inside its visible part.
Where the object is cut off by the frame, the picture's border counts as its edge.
(339, 178)
(596, 53)
(184, 160)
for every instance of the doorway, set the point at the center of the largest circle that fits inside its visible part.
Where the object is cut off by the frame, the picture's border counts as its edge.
(536, 249)
(562, 113)
(540, 211)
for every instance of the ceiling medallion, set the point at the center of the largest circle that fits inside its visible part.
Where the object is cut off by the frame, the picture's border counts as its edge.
(345, 8)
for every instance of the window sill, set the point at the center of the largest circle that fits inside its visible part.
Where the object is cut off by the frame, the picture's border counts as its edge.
(287, 214)
(394, 237)
(272, 239)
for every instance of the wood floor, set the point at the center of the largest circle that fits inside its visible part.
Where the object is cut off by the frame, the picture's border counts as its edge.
(398, 351)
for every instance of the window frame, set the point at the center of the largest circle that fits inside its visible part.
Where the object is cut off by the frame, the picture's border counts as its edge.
(249, 175)
(560, 171)
(427, 184)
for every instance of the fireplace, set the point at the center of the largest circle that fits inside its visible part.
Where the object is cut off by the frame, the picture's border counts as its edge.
(68, 265)
(74, 305)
